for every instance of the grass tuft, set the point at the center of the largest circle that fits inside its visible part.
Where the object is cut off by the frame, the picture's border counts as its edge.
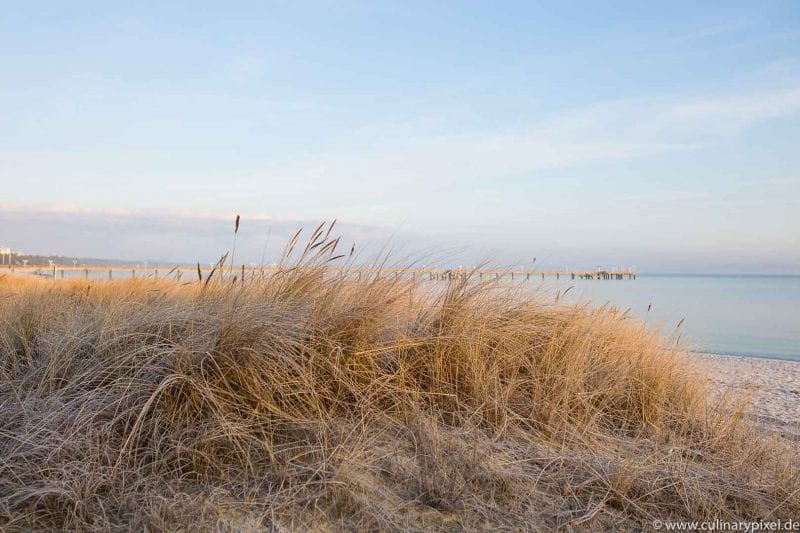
(309, 399)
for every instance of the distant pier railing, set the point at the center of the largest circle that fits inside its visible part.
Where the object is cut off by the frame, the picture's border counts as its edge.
(56, 271)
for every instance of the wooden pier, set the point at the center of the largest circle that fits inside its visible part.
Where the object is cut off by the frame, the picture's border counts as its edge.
(60, 271)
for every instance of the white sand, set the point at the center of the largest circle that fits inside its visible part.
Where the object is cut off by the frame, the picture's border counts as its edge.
(772, 387)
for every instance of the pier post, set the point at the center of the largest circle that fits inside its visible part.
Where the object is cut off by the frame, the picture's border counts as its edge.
(109, 273)
(86, 273)
(556, 275)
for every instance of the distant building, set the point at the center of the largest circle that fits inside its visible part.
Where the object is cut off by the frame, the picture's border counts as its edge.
(5, 256)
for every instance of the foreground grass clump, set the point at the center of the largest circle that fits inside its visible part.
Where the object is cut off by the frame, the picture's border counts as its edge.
(307, 400)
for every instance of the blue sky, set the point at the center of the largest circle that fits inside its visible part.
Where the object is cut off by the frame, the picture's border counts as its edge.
(657, 134)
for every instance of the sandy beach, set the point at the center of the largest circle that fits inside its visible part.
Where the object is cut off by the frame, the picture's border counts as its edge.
(773, 386)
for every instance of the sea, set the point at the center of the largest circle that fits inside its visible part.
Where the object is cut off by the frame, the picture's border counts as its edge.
(742, 314)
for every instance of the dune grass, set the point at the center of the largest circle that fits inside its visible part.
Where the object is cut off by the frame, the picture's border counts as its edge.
(307, 400)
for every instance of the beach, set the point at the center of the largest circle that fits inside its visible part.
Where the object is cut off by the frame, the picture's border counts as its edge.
(772, 386)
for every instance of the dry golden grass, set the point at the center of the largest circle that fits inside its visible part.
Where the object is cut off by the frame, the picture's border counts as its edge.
(306, 401)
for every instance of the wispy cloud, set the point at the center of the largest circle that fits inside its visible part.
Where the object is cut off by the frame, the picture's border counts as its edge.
(712, 30)
(606, 131)
(68, 209)
(155, 234)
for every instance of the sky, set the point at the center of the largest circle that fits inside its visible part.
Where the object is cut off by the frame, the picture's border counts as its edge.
(657, 134)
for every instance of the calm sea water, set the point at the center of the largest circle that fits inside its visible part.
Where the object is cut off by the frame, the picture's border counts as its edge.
(728, 314)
